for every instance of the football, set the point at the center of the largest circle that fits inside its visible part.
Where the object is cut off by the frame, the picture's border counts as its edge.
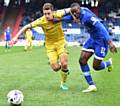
(15, 97)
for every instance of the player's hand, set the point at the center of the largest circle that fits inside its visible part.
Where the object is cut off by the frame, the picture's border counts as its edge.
(75, 20)
(12, 42)
(112, 47)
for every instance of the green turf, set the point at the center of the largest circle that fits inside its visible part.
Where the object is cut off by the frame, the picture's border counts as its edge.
(30, 72)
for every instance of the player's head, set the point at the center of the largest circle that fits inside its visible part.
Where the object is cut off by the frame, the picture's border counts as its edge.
(8, 28)
(75, 9)
(29, 29)
(48, 11)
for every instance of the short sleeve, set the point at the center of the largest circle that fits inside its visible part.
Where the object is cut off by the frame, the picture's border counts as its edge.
(60, 13)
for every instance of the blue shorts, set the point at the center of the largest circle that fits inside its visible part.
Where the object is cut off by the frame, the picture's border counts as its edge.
(98, 46)
(8, 38)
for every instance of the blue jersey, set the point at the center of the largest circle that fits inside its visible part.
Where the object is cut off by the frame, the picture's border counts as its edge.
(7, 34)
(92, 23)
(98, 42)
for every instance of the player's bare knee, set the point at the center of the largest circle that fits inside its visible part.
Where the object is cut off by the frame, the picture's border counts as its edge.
(82, 61)
(64, 65)
(56, 67)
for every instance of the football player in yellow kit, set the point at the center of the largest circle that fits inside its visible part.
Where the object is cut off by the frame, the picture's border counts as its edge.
(54, 39)
(28, 37)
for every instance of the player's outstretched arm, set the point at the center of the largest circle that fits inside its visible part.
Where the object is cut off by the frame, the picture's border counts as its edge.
(20, 32)
(112, 47)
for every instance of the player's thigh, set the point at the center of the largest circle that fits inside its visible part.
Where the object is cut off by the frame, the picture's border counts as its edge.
(27, 43)
(53, 59)
(64, 58)
(96, 63)
(62, 52)
(87, 51)
(85, 55)
(52, 54)
(30, 41)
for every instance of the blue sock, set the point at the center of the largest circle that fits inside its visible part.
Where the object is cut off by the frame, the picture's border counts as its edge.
(87, 75)
(103, 65)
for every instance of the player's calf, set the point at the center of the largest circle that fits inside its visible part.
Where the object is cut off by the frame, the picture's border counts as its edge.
(96, 67)
(82, 61)
(64, 66)
(64, 74)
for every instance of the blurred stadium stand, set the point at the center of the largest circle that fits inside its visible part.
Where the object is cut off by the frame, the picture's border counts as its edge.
(20, 12)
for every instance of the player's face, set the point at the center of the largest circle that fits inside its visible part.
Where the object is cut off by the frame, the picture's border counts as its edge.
(75, 11)
(28, 29)
(48, 14)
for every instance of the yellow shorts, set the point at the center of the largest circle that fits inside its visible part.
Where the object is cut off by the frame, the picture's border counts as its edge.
(28, 42)
(55, 50)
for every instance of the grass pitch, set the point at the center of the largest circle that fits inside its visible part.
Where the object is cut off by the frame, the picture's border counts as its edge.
(30, 72)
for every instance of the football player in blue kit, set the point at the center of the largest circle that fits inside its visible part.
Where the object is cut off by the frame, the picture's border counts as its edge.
(7, 35)
(97, 44)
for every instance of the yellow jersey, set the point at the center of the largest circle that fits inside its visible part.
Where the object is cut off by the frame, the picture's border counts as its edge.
(28, 35)
(53, 31)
